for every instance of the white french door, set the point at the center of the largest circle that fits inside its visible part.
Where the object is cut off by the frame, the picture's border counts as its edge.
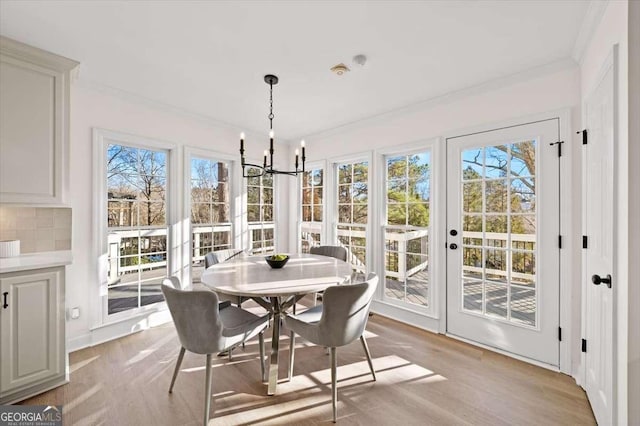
(502, 239)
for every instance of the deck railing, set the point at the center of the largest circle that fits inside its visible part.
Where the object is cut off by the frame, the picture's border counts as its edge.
(155, 257)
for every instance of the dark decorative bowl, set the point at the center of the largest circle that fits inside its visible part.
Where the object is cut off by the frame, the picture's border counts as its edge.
(276, 264)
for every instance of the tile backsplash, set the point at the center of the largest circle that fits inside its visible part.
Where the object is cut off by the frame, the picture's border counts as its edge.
(37, 228)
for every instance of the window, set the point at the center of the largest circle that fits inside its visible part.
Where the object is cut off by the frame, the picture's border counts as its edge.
(352, 194)
(312, 209)
(260, 212)
(210, 210)
(407, 228)
(136, 226)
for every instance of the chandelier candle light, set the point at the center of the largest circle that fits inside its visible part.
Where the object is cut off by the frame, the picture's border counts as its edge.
(267, 168)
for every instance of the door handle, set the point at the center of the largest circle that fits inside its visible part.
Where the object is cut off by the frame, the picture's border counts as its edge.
(453, 246)
(5, 305)
(597, 280)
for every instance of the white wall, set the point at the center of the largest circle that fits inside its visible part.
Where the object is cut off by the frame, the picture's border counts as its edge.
(538, 91)
(613, 29)
(92, 106)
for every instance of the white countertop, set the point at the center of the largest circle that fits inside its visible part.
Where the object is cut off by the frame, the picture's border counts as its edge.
(45, 259)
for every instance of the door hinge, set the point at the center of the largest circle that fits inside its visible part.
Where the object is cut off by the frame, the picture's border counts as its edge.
(559, 143)
(559, 241)
(560, 334)
(584, 242)
(584, 345)
(584, 136)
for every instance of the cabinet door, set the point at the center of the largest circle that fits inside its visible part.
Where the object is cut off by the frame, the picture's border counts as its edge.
(34, 124)
(30, 135)
(32, 328)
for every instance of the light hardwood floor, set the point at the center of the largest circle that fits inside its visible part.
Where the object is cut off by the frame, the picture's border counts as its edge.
(423, 378)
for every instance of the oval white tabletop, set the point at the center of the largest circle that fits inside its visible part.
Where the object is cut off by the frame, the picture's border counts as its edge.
(251, 276)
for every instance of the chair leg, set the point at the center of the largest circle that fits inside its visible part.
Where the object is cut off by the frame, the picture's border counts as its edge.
(207, 391)
(334, 385)
(292, 346)
(261, 344)
(366, 351)
(175, 372)
(239, 303)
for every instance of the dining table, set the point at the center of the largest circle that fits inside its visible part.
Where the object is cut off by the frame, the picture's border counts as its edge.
(277, 290)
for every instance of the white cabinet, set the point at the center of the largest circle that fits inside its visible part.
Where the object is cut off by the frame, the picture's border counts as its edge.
(34, 124)
(32, 329)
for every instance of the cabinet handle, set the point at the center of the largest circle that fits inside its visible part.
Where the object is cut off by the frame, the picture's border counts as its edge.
(5, 304)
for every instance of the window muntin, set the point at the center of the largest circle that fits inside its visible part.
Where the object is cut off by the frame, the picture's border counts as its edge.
(312, 209)
(352, 201)
(210, 210)
(408, 196)
(260, 196)
(136, 226)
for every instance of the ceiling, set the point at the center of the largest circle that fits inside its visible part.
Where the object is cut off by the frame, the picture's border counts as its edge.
(209, 58)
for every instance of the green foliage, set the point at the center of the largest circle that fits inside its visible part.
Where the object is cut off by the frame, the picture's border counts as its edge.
(407, 191)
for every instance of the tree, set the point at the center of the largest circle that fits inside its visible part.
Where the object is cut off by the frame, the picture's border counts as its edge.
(138, 174)
(209, 192)
(408, 191)
(353, 193)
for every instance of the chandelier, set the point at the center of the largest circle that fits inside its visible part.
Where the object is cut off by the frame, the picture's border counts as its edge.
(267, 167)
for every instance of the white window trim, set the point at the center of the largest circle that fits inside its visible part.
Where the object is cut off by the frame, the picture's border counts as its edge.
(235, 191)
(101, 140)
(437, 210)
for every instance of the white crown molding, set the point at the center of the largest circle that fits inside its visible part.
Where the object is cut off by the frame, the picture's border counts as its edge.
(488, 86)
(590, 23)
(164, 107)
(25, 52)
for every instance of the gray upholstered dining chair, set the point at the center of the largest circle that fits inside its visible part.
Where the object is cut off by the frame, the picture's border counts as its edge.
(337, 252)
(220, 256)
(203, 328)
(332, 251)
(174, 282)
(340, 320)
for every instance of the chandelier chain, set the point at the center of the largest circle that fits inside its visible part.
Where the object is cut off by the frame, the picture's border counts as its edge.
(271, 106)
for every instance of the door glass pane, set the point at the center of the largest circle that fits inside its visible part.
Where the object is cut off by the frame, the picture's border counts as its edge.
(498, 195)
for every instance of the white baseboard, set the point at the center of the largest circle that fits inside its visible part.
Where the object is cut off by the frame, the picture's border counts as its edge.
(78, 342)
(405, 316)
(116, 330)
